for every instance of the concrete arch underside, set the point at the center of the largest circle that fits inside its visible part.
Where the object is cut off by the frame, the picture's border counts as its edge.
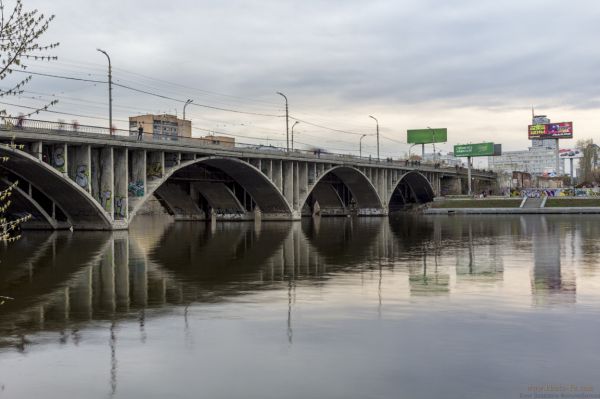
(80, 208)
(182, 201)
(412, 187)
(23, 204)
(363, 198)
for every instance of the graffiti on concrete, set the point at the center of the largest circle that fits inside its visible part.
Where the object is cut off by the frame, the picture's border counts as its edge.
(81, 176)
(58, 158)
(136, 188)
(228, 213)
(555, 192)
(105, 197)
(154, 170)
(121, 206)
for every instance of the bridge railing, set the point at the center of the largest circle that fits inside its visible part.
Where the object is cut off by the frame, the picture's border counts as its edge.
(17, 124)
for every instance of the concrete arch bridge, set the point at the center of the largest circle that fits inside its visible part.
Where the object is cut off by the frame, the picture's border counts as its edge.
(89, 179)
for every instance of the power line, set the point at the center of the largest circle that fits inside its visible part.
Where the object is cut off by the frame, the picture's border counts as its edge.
(60, 76)
(328, 128)
(58, 112)
(394, 140)
(177, 84)
(195, 104)
(148, 93)
(95, 81)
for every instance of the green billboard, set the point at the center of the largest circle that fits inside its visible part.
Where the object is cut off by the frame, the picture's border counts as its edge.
(474, 150)
(426, 136)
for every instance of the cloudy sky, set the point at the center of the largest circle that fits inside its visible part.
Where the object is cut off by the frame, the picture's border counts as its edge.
(473, 66)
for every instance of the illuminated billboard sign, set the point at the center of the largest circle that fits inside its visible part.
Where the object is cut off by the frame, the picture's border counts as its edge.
(426, 136)
(561, 130)
(475, 150)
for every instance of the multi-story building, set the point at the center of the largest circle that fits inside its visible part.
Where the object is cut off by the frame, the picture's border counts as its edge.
(224, 141)
(539, 160)
(535, 160)
(163, 126)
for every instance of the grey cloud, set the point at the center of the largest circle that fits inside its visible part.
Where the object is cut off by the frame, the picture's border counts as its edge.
(464, 52)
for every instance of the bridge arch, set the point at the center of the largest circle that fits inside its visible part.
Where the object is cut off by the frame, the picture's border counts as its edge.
(263, 191)
(412, 187)
(359, 185)
(81, 209)
(26, 204)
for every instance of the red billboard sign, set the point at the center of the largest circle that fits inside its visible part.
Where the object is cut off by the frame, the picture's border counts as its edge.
(561, 130)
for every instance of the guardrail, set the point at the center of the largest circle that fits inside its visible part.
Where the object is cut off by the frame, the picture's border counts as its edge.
(49, 127)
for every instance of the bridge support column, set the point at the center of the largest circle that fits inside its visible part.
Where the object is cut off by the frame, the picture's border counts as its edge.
(137, 174)
(303, 182)
(155, 167)
(58, 157)
(80, 160)
(120, 183)
(288, 181)
(312, 173)
(278, 174)
(36, 149)
(107, 183)
(296, 165)
(269, 169)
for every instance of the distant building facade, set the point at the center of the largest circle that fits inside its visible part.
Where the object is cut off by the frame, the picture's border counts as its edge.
(537, 160)
(224, 141)
(163, 126)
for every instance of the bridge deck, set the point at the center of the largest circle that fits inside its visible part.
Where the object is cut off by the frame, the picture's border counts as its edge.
(49, 132)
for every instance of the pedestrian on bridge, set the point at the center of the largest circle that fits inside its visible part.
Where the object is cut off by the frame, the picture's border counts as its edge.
(20, 121)
(140, 132)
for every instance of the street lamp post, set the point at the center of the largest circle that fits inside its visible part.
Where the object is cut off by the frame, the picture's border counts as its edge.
(188, 102)
(432, 141)
(110, 125)
(295, 123)
(377, 124)
(360, 145)
(410, 148)
(287, 122)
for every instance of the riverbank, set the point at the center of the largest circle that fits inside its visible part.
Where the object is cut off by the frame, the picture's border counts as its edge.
(499, 205)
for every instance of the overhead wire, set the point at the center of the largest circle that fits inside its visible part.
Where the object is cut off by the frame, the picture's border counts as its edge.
(205, 92)
(147, 92)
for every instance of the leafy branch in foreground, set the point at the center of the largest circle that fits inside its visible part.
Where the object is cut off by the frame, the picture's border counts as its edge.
(20, 31)
(8, 228)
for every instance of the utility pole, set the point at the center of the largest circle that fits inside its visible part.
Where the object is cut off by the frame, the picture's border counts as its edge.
(377, 124)
(287, 122)
(295, 123)
(110, 124)
(469, 175)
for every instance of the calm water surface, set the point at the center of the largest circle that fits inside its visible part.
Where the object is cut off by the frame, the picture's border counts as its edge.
(410, 307)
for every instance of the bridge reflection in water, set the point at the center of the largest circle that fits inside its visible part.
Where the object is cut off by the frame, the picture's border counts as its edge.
(65, 284)
(60, 279)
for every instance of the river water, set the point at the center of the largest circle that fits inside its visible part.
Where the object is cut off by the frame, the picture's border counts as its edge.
(406, 307)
